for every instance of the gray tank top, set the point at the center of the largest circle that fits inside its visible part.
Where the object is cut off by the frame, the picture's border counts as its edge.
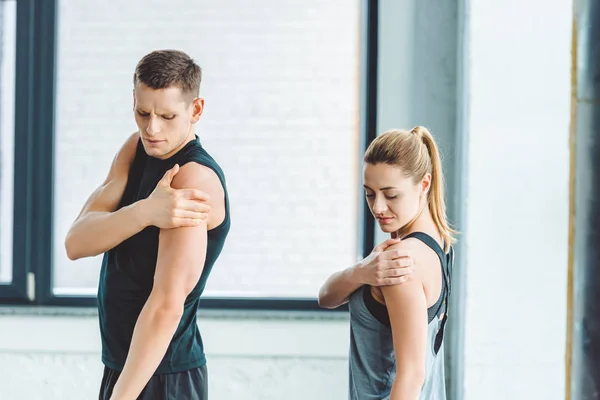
(372, 360)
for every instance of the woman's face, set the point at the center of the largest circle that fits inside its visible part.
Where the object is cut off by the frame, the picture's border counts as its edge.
(393, 198)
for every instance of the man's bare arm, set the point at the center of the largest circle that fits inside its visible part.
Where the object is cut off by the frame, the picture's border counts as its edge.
(99, 228)
(181, 257)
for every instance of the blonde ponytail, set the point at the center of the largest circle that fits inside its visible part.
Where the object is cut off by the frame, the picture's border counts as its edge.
(437, 203)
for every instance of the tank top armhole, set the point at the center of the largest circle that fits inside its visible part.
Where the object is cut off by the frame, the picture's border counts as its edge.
(438, 306)
(211, 164)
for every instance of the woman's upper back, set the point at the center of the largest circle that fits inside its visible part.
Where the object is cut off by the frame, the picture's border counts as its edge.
(372, 359)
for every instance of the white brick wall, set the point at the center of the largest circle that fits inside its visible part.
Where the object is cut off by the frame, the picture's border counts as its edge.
(280, 82)
(64, 376)
(56, 357)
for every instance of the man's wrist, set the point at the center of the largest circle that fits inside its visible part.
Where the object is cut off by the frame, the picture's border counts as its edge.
(141, 214)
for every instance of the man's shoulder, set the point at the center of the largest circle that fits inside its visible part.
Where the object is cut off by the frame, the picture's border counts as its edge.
(126, 154)
(196, 175)
(129, 148)
(200, 155)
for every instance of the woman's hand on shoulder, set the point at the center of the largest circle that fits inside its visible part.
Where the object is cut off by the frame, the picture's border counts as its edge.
(390, 263)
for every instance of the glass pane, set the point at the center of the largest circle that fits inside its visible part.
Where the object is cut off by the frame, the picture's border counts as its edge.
(8, 19)
(280, 81)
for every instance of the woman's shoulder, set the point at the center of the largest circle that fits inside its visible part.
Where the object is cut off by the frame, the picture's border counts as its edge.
(421, 252)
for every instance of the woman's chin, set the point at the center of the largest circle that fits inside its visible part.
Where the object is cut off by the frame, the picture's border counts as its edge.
(389, 228)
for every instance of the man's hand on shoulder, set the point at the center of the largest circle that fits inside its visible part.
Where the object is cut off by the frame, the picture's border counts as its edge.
(201, 178)
(182, 251)
(174, 206)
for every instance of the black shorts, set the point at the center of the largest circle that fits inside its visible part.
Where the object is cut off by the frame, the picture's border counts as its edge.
(187, 385)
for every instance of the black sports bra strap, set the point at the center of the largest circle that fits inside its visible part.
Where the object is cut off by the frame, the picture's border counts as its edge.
(446, 261)
(433, 245)
(449, 266)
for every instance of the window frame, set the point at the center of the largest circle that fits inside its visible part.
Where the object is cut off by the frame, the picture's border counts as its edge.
(34, 162)
(34, 20)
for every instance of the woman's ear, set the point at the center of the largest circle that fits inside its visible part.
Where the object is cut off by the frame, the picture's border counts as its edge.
(426, 184)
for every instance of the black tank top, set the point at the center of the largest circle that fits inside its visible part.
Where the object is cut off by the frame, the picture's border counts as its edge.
(127, 273)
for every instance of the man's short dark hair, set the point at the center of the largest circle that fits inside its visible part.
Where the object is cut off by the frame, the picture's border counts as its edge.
(161, 69)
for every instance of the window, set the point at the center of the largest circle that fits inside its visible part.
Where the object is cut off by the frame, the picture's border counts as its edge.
(8, 18)
(280, 83)
(283, 117)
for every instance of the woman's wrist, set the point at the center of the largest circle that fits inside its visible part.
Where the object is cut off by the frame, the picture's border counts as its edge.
(355, 274)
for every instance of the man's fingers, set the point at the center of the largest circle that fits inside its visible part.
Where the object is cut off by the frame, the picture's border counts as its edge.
(194, 206)
(181, 222)
(190, 214)
(194, 194)
(200, 207)
(169, 175)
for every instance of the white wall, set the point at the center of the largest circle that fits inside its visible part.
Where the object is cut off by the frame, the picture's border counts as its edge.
(508, 131)
(55, 354)
(517, 86)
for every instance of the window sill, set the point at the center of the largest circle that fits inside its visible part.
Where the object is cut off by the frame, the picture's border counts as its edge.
(225, 333)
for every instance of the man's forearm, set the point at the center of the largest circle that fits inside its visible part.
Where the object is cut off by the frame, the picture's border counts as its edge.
(338, 288)
(96, 232)
(153, 332)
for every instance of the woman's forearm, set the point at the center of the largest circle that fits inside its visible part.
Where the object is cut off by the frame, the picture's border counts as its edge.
(338, 288)
(407, 385)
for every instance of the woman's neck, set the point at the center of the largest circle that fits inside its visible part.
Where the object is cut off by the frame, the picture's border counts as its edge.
(422, 223)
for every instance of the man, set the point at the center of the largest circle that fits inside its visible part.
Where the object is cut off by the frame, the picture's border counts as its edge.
(161, 219)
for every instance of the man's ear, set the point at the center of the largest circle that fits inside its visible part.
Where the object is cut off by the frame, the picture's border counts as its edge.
(197, 109)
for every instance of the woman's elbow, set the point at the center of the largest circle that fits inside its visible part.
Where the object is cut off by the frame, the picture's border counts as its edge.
(418, 376)
(410, 379)
(323, 299)
(327, 301)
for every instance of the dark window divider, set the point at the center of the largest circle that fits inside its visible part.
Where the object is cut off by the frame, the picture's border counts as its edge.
(23, 196)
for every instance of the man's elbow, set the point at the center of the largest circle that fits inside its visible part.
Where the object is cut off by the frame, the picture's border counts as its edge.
(169, 313)
(73, 252)
(165, 308)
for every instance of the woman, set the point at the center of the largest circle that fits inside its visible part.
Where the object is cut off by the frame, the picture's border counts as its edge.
(396, 346)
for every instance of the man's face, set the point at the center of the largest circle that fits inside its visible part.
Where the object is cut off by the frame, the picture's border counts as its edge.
(165, 119)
